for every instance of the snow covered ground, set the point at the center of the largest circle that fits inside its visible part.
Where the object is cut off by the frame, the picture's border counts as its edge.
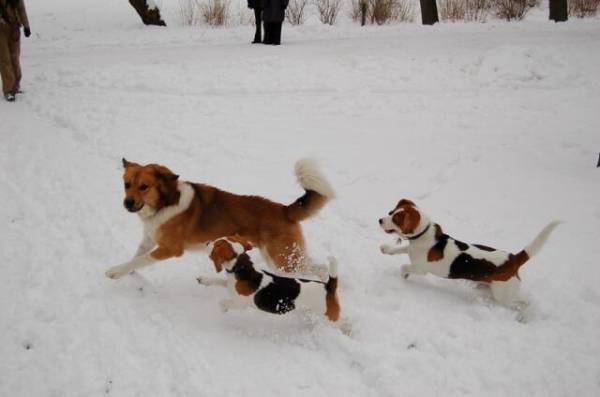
(492, 128)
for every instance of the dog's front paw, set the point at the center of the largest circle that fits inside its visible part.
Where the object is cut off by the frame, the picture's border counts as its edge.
(405, 271)
(117, 272)
(386, 249)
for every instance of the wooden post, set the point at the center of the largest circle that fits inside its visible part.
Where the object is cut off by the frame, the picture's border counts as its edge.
(363, 11)
(149, 13)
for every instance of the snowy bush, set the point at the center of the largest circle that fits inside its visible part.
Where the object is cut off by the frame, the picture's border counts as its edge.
(583, 8)
(328, 10)
(510, 9)
(295, 11)
(464, 10)
(189, 12)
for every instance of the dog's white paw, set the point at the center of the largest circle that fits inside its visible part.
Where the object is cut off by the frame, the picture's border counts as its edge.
(386, 249)
(117, 272)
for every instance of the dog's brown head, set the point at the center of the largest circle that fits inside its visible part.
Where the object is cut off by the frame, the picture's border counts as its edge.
(152, 186)
(405, 219)
(225, 250)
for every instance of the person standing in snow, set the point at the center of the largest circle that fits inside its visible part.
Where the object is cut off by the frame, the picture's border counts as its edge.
(12, 17)
(273, 15)
(255, 5)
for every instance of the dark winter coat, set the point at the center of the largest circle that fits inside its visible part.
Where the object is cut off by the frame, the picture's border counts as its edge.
(13, 12)
(253, 4)
(274, 10)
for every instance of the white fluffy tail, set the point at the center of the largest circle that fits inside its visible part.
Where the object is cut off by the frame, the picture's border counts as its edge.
(310, 178)
(333, 267)
(536, 245)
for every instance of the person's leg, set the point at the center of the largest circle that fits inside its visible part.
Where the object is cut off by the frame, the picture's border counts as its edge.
(15, 54)
(268, 33)
(277, 33)
(6, 66)
(258, 22)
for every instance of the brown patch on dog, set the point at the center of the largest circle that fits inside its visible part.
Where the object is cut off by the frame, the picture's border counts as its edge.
(436, 253)
(439, 233)
(510, 268)
(221, 253)
(478, 269)
(407, 219)
(245, 288)
(331, 300)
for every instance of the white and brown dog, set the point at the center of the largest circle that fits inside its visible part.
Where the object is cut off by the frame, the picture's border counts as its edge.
(430, 250)
(267, 291)
(178, 216)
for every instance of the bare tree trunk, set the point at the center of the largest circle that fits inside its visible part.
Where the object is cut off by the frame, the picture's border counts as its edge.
(149, 13)
(559, 10)
(429, 12)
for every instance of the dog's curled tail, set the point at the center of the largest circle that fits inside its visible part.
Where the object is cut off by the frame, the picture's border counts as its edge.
(331, 300)
(318, 191)
(538, 242)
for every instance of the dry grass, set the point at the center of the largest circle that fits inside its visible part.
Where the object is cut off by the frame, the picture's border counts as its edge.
(295, 11)
(215, 12)
(383, 11)
(328, 10)
(583, 8)
(510, 10)
(464, 10)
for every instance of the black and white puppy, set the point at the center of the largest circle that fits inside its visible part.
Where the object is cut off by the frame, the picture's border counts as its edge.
(430, 250)
(268, 291)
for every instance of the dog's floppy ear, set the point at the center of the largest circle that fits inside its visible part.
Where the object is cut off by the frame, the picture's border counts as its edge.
(165, 173)
(222, 252)
(408, 219)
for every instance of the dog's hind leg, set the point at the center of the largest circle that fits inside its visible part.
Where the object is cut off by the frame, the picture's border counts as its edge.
(507, 293)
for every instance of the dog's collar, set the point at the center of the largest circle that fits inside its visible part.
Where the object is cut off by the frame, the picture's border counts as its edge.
(416, 236)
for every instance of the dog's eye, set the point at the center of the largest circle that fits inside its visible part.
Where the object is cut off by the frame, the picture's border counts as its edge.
(143, 188)
(127, 185)
(390, 213)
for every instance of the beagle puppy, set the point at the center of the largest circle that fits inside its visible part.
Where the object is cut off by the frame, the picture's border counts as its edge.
(267, 291)
(430, 250)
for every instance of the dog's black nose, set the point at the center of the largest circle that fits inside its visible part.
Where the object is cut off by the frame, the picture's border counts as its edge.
(129, 203)
(380, 221)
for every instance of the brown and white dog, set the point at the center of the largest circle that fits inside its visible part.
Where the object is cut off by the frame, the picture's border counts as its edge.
(178, 216)
(250, 286)
(432, 251)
